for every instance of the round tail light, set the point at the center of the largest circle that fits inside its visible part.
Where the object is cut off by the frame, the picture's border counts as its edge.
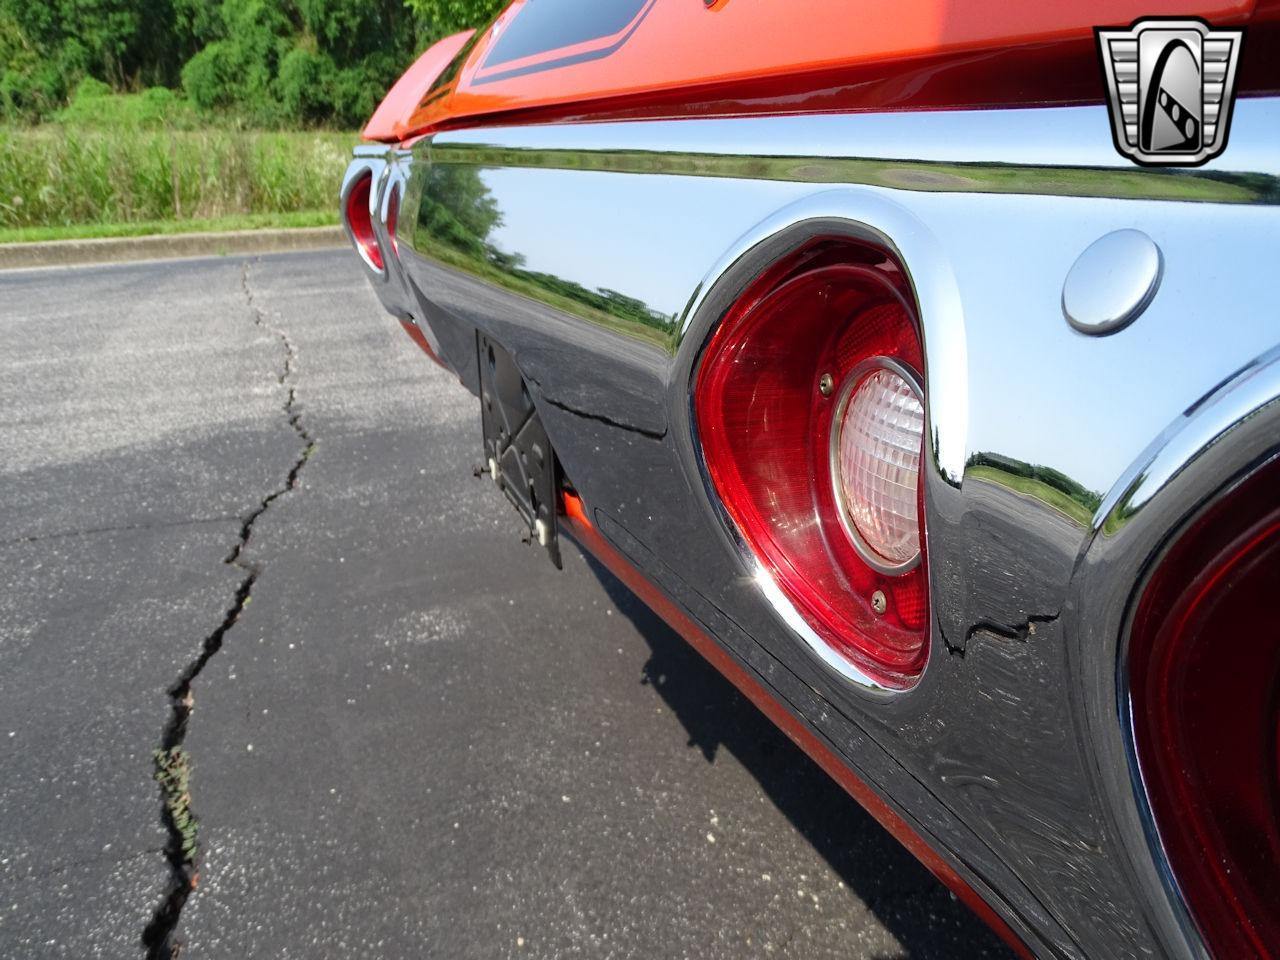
(810, 417)
(359, 218)
(1204, 697)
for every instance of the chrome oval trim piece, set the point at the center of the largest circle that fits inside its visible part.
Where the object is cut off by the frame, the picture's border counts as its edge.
(1112, 282)
(859, 373)
(391, 170)
(395, 180)
(792, 617)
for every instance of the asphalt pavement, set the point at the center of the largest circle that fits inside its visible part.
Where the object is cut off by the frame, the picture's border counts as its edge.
(408, 734)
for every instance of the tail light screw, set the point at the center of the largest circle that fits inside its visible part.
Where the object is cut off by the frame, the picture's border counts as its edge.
(826, 384)
(879, 603)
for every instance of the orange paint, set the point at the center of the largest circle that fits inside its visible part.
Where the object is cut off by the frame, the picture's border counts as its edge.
(388, 121)
(675, 54)
(584, 531)
(420, 339)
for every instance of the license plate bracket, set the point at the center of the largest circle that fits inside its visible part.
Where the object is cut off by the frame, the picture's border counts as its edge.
(517, 450)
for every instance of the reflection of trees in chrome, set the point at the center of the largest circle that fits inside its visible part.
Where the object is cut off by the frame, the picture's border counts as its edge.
(930, 175)
(1264, 187)
(457, 209)
(1051, 486)
(458, 213)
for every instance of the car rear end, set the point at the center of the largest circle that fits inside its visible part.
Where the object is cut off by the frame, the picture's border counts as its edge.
(949, 435)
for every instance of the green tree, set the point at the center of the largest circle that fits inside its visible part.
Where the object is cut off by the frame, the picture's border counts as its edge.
(270, 62)
(240, 68)
(48, 47)
(443, 17)
(309, 61)
(196, 23)
(458, 210)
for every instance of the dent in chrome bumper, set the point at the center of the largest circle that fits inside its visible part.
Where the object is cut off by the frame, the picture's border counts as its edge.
(1057, 462)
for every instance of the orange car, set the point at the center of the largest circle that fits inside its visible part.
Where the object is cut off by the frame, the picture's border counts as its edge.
(919, 363)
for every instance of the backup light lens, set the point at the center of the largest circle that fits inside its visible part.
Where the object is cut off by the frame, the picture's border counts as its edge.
(878, 465)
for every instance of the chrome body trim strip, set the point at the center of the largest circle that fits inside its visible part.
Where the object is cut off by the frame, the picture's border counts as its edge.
(1048, 151)
(1056, 463)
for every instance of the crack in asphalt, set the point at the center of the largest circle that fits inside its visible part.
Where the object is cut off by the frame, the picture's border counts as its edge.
(171, 759)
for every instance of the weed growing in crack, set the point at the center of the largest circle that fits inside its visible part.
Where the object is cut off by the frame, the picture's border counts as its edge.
(173, 773)
(172, 761)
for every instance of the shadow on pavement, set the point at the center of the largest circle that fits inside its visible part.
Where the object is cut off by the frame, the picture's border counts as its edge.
(924, 917)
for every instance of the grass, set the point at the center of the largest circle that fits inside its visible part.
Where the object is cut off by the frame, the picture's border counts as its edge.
(144, 228)
(60, 183)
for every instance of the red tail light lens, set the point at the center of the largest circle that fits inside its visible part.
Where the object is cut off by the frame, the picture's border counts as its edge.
(360, 221)
(810, 417)
(1205, 701)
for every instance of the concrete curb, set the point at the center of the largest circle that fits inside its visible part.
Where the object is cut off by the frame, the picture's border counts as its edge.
(65, 253)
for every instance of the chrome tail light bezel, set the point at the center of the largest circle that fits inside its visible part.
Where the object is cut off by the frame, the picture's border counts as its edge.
(387, 171)
(870, 623)
(370, 165)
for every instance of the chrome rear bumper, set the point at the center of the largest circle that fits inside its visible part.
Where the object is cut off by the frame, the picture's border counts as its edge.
(602, 255)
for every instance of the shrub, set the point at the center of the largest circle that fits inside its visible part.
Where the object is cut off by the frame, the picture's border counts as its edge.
(306, 84)
(94, 107)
